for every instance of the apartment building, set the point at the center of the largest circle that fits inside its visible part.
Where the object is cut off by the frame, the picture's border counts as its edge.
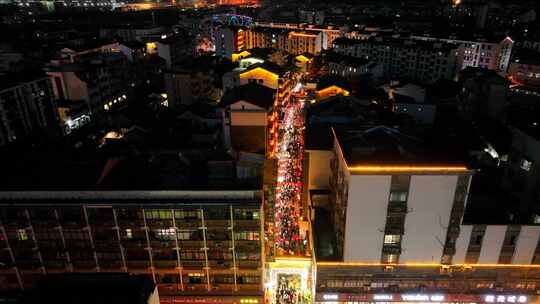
(388, 202)
(192, 244)
(176, 48)
(292, 41)
(488, 54)
(406, 232)
(102, 80)
(349, 67)
(229, 40)
(27, 104)
(265, 86)
(191, 81)
(404, 58)
(248, 109)
(330, 32)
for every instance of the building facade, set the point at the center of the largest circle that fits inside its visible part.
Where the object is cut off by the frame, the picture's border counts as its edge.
(101, 80)
(425, 283)
(189, 242)
(292, 41)
(404, 58)
(26, 106)
(491, 55)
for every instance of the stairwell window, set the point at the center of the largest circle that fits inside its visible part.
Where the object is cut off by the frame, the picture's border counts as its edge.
(22, 235)
(398, 196)
(392, 239)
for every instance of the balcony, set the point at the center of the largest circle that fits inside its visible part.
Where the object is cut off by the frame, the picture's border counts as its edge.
(449, 249)
(391, 249)
(110, 265)
(55, 264)
(165, 264)
(87, 265)
(248, 264)
(218, 223)
(138, 264)
(30, 264)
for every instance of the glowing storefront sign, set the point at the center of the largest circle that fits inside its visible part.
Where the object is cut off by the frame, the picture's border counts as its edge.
(422, 297)
(382, 297)
(505, 299)
(330, 296)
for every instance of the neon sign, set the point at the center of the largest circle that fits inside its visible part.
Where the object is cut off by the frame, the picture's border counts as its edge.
(422, 297)
(330, 296)
(505, 299)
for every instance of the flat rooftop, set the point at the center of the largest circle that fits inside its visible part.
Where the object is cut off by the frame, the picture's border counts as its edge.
(382, 145)
(96, 288)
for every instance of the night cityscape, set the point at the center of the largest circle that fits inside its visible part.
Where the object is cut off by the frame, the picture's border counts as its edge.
(270, 152)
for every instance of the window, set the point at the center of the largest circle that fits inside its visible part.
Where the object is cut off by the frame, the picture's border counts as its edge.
(129, 234)
(513, 240)
(391, 239)
(526, 164)
(398, 196)
(247, 235)
(478, 240)
(158, 214)
(186, 214)
(165, 234)
(390, 258)
(184, 235)
(22, 235)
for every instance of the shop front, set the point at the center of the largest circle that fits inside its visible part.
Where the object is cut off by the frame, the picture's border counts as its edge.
(422, 298)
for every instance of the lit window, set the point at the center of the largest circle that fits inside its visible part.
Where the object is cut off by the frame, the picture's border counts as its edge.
(398, 196)
(390, 258)
(129, 233)
(526, 165)
(165, 234)
(391, 239)
(184, 235)
(22, 235)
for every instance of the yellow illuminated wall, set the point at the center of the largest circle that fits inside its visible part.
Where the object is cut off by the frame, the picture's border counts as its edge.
(238, 56)
(331, 91)
(262, 76)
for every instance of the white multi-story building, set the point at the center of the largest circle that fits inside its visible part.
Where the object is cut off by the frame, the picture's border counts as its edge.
(404, 58)
(396, 202)
(492, 55)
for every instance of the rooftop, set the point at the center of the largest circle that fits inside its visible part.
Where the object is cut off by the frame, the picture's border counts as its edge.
(525, 56)
(269, 66)
(399, 42)
(253, 93)
(13, 79)
(346, 60)
(382, 145)
(96, 288)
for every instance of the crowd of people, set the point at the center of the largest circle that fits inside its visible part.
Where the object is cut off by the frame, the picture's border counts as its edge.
(289, 186)
(288, 290)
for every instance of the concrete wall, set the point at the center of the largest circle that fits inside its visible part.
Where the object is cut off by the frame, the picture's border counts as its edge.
(239, 118)
(492, 244)
(526, 245)
(462, 244)
(366, 217)
(319, 169)
(430, 204)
